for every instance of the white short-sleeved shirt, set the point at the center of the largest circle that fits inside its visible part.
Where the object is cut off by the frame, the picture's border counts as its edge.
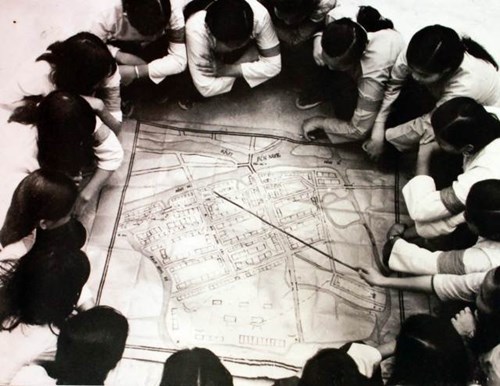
(367, 358)
(410, 258)
(458, 287)
(425, 204)
(113, 25)
(201, 44)
(475, 78)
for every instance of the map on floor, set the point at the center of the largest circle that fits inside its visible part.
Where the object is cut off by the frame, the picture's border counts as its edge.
(244, 243)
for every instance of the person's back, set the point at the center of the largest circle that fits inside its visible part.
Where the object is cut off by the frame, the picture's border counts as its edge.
(89, 345)
(38, 294)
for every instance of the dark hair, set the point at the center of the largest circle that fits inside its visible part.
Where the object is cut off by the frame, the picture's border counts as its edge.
(487, 334)
(293, 12)
(437, 49)
(149, 17)
(344, 36)
(44, 287)
(462, 121)
(90, 344)
(79, 63)
(43, 194)
(371, 19)
(482, 208)
(429, 352)
(187, 367)
(227, 20)
(331, 367)
(65, 124)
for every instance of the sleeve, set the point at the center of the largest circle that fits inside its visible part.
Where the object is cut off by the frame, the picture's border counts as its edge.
(18, 249)
(399, 73)
(369, 99)
(198, 49)
(410, 258)
(423, 201)
(33, 375)
(464, 182)
(457, 287)
(477, 260)
(110, 92)
(269, 63)
(367, 358)
(107, 149)
(173, 63)
(176, 60)
(430, 229)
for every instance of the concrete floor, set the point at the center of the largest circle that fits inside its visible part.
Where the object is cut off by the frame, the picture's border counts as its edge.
(28, 26)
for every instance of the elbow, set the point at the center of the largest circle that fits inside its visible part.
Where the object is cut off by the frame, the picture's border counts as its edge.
(275, 69)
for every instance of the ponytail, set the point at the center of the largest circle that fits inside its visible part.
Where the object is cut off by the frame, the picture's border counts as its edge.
(371, 19)
(478, 51)
(28, 113)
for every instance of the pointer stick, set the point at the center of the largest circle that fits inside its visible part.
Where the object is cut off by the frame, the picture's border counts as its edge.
(286, 233)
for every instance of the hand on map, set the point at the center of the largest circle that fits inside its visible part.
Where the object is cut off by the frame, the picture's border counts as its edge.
(313, 128)
(373, 149)
(465, 323)
(374, 146)
(371, 276)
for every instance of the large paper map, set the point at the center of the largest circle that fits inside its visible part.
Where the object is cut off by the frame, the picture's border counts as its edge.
(232, 282)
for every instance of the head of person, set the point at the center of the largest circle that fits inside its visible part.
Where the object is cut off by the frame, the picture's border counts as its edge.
(487, 313)
(90, 344)
(331, 367)
(43, 288)
(344, 42)
(80, 63)
(371, 19)
(195, 367)
(231, 24)
(482, 209)
(293, 12)
(148, 17)
(429, 352)
(435, 52)
(42, 199)
(463, 126)
(65, 124)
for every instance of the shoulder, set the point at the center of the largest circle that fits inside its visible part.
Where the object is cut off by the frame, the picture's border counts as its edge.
(197, 21)
(259, 11)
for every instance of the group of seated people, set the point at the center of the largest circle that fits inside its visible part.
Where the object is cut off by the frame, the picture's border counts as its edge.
(434, 97)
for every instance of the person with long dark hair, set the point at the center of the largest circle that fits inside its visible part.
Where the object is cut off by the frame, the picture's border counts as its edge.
(462, 127)
(66, 141)
(445, 64)
(38, 294)
(43, 201)
(81, 64)
(359, 64)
